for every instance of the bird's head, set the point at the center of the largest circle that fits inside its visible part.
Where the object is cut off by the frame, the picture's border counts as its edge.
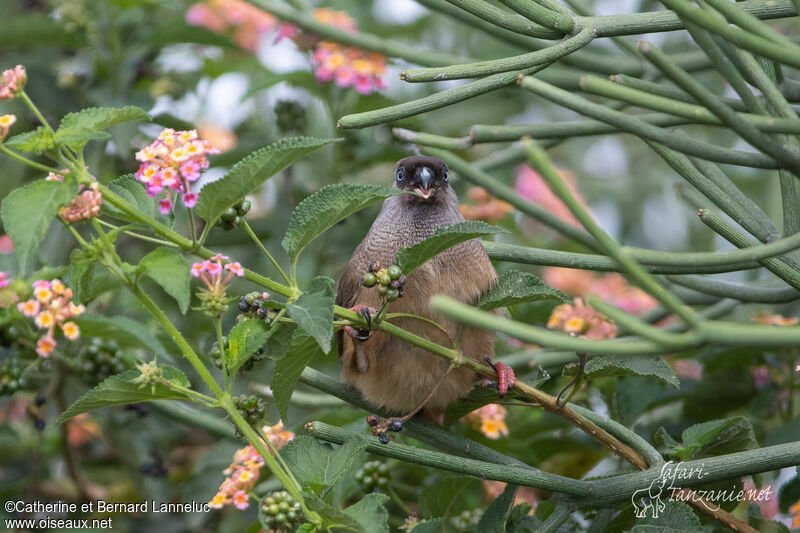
(426, 177)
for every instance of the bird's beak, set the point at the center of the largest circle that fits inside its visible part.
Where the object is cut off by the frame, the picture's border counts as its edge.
(425, 178)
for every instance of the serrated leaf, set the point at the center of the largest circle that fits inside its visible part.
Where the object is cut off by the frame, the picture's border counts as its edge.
(28, 212)
(317, 466)
(370, 513)
(515, 287)
(81, 274)
(77, 136)
(333, 515)
(325, 208)
(428, 526)
(120, 328)
(168, 268)
(39, 140)
(445, 498)
(313, 312)
(717, 437)
(614, 365)
(494, 518)
(133, 191)
(120, 390)
(288, 369)
(412, 257)
(244, 339)
(100, 118)
(252, 171)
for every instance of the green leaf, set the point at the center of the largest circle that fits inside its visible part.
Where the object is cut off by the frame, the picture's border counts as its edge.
(35, 29)
(677, 517)
(428, 526)
(333, 515)
(325, 208)
(620, 365)
(515, 287)
(313, 312)
(494, 518)
(317, 466)
(132, 191)
(39, 140)
(81, 274)
(370, 513)
(717, 437)
(121, 329)
(120, 390)
(29, 211)
(288, 369)
(100, 118)
(252, 171)
(445, 498)
(243, 341)
(412, 257)
(77, 136)
(168, 268)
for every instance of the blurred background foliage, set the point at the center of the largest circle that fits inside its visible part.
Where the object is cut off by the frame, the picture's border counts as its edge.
(243, 94)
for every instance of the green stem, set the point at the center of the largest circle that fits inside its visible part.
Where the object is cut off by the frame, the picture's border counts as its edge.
(486, 68)
(430, 139)
(542, 15)
(192, 228)
(22, 159)
(264, 250)
(541, 162)
(399, 501)
(137, 235)
(637, 326)
(557, 518)
(667, 91)
(504, 19)
(28, 102)
(744, 293)
(221, 345)
(631, 124)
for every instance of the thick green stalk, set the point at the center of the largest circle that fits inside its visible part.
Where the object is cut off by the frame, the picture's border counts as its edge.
(744, 293)
(560, 514)
(485, 470)
(631, 124)
(788, 157)
(626, 45)
(306, 21)
(541, 162)
(488, 133)
(495, 66)
(667, 91)
(506, 193)
(430, 139)
(748, 22)
(542, 15)
(624, 434)
(431, 102)
(505, 19)
(737, 238)
(789, 55)
(696, 113)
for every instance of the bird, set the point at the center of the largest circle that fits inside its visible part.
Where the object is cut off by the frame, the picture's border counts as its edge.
(390, 372)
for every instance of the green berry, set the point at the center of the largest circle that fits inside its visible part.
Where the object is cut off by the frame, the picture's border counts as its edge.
(384, 278)
(369, 279)
(392, 294)
(395, 272)
(243, 208)
(383, 289)
(229, 215)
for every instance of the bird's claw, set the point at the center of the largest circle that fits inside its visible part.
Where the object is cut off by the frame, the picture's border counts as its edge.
(505, 376)
(361, 334)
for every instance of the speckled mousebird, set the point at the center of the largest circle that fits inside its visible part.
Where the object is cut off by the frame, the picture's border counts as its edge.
(388, 371)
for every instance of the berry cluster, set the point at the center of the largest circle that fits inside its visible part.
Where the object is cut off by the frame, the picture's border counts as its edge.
(466, 521)
(391, 281)
(280, 512)
(232, 218)
(101, 359)
(382, 427)
(257, 305)
(373, 474)
(252, 407)
(11, 378)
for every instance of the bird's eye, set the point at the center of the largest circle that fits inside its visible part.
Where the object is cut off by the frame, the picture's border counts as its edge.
(444, 176)
(401, 175)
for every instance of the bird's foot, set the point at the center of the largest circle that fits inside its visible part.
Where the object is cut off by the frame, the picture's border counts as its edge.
(505, 376)
(361, 334)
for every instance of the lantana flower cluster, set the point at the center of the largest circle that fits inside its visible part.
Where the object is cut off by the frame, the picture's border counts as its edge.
(582, 320)
(6, 121)
(172, 163)
(245, 469)
(52, 306)
(13, 82)
(347, 66)
(489, 420)
(216, 273)
(85, 206)
(611, 287)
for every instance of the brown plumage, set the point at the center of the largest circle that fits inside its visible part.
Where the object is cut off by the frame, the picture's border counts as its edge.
(393, 373)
